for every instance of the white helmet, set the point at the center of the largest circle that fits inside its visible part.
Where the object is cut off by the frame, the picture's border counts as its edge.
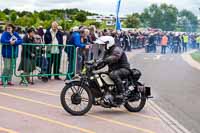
(108, 40)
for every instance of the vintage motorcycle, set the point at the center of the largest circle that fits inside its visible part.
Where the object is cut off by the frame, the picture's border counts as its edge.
(92, 87)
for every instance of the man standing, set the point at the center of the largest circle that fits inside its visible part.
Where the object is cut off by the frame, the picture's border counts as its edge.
(54, 38)
(185, 39)
(198, 40)
(164, 43)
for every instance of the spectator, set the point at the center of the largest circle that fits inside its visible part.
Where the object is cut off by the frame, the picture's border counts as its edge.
(152, 45)
(95, 47)
(176, 44)
(193, 41)
(54, 38)
(76, 41)
(198, 41)
(82, 53)
(116, 37)
(41, 60)
(185, 40)
(40, 32)
(10, 41)
(70, 50)
(164, 43)
(127, 43)
(28, 56)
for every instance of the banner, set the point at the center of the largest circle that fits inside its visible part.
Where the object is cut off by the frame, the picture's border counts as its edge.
(118, 23)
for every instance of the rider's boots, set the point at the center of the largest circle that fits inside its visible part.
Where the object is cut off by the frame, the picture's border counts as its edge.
(121, 91)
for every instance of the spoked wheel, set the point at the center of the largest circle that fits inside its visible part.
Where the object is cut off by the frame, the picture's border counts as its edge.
(137, 104)
(76, 99)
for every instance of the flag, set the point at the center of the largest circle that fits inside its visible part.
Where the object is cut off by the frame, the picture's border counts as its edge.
(118, 23)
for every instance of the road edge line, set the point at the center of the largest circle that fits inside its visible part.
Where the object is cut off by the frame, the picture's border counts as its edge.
(168, 119)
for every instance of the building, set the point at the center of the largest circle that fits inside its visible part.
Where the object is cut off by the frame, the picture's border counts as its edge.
(110, 20)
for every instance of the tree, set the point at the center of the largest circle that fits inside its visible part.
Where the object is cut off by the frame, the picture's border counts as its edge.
(163, 17)
(132, 21)
(169, 17)
(96, 24)
(13, 16)
(6, 11)
(2, 16)
(66, 24)
(44, 15)
(81, 17)
(24, 13)
(187, 21)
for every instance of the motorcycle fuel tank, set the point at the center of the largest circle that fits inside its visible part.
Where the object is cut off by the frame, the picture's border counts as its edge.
(107, 79)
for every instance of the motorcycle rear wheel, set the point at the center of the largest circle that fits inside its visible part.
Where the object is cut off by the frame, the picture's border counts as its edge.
(129, 105)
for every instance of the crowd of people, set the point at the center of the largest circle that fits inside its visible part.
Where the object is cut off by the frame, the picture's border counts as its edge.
(57, 41)
(176, 42)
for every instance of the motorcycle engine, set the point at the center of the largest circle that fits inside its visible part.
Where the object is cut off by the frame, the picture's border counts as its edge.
(107, 100)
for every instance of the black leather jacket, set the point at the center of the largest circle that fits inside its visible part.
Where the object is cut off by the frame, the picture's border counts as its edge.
(115, 58)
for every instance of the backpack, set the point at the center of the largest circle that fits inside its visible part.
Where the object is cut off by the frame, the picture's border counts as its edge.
(135, 74)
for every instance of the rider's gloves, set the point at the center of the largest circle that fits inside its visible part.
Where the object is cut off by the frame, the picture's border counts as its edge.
(100, 64)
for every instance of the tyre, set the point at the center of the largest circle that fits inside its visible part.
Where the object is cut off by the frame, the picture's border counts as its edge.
(138, 103)
(135, 108)
(76, 98)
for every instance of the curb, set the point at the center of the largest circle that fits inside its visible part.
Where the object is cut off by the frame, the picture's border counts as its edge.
(167, 119)
(187, 58)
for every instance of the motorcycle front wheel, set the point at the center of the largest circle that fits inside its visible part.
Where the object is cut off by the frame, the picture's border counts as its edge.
(76, 98)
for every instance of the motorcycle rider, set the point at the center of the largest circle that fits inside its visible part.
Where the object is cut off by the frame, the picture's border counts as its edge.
(117, 62)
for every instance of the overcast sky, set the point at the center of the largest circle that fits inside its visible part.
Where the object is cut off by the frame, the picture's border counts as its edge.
(105, 7)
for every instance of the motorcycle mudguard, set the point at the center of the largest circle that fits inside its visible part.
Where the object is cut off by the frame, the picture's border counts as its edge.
(70, 81)
(74, 79)
(147, 91)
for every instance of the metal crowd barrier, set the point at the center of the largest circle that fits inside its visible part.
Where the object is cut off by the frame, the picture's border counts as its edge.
(35, 60)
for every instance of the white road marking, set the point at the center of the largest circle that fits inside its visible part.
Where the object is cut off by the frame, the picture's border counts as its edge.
(169, 120)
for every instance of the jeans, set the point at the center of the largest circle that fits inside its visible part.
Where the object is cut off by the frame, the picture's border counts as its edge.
(9, 65)
(43, 64)
(163, 49)
(54, 60)
(117, 76)
(80, 60)
(184, 47)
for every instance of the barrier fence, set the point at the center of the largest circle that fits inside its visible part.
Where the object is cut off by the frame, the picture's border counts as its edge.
(37, 60)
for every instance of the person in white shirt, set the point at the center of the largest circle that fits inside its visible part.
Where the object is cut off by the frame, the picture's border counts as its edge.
(54, 38)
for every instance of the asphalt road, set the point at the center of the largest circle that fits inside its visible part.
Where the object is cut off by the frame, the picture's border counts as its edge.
(175, 84)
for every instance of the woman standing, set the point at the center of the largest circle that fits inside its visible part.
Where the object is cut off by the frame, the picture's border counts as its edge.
(10, 41)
